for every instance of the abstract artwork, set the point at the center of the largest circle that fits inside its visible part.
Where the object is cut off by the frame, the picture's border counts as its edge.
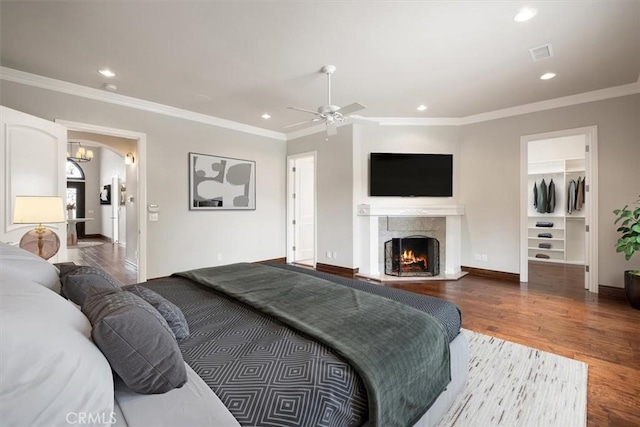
(221, 183)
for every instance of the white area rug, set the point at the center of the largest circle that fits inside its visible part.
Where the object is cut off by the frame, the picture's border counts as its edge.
(514, 385)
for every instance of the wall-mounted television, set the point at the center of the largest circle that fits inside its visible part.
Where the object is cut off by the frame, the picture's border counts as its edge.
(411, 175)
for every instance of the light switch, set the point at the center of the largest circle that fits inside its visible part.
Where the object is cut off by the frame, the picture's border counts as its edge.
(153, 216)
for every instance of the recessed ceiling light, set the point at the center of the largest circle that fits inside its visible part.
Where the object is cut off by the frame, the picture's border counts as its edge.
(525, 14)
(422, 107)
(266, 116)
(547, 76)
(106, 72)
(110, 87)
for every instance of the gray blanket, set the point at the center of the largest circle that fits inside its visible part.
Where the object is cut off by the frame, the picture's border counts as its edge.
(401, 353)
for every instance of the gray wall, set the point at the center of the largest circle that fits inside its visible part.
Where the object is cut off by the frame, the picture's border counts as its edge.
(486, 177)
(183, 239)
(334, 185)
(490, 177)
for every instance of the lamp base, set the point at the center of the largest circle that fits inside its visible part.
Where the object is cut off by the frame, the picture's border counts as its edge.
(43, 243)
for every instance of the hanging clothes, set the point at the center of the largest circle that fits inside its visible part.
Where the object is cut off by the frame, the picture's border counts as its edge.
(542, 198)
(571, 196)
(580, 194)
(535, 195)
(551, 197)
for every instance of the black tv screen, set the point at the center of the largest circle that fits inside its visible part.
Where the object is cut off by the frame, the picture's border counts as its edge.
(411, 175)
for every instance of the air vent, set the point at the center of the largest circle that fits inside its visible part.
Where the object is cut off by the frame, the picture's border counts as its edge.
(541, 52)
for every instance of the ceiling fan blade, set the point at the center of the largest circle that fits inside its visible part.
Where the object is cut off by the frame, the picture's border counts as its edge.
(331, 129)
(351, 108)
(303, 110)
(306, 122)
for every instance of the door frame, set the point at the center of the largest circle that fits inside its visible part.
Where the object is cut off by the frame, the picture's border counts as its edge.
(141, 196)
(291, 204)
(80, 208)
(591, 220)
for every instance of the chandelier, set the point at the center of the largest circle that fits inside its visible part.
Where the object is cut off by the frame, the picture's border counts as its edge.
(80, 155)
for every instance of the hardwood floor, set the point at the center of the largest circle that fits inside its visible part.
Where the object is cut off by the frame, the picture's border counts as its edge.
(107, 256)
(552, 313)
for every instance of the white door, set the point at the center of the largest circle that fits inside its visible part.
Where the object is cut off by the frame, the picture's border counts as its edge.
(301, 208)
(304, 210)
(33, 164)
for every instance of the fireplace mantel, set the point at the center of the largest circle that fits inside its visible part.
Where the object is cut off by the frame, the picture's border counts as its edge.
(369, 214)
(435, 211)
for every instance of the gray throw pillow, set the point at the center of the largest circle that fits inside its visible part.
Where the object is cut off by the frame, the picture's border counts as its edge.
(169, 311)
(138, 344)
(77, 282)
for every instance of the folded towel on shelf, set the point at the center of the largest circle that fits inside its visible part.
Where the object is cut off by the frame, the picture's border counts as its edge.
(543, 256)
(545, 235)
(544, 224)
(544, 245)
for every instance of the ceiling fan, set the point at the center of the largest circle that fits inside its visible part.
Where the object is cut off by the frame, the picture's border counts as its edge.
(330, 114)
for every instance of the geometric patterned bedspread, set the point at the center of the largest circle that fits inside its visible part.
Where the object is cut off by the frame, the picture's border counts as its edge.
(266, 373)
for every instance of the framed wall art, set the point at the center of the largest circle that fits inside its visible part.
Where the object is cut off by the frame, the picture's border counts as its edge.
(221, 183)
(105, 195)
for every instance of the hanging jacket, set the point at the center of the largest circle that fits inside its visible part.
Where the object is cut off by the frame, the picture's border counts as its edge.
(542, 198)
(580, 194)
(535, 195)
(571, 197)
(551, 197)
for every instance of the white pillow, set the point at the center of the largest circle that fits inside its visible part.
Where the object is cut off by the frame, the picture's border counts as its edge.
(18, 262)
(51, 373)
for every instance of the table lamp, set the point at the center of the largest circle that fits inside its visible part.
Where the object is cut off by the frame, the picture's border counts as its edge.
(39, 210)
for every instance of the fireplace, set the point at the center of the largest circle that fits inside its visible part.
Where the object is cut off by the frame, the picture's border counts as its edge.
(412, 256)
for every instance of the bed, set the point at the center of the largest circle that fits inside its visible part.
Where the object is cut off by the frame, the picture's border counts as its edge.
(248, 362)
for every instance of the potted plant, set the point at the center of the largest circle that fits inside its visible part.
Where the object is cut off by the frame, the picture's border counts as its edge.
(628, 244)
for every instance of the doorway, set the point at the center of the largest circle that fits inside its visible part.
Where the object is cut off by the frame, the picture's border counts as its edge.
(559, 204)
(301, 208)
(135, 196)
(76, 197)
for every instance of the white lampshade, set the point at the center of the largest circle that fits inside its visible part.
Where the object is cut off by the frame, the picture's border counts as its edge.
(38, 210)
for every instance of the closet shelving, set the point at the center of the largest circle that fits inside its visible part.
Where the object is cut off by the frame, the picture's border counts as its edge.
(568, 237)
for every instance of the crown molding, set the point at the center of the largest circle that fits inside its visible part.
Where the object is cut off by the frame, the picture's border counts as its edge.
(550, 104)
(35, 80)
(565, 101)
(42, 82)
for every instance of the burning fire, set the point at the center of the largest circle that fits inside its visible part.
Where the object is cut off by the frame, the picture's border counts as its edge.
(408, 257)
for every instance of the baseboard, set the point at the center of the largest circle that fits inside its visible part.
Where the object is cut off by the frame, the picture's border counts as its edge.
(338, 271)
(282, 260)
(492, 274)
(97, 236)
(611, 291)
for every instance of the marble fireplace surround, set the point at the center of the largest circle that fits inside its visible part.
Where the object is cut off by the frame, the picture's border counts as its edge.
(372, 257)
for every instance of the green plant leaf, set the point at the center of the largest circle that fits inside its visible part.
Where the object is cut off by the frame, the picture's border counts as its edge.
(636, 228)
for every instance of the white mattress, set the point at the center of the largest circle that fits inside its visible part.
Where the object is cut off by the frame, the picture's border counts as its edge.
(195, 404)
(459, 376)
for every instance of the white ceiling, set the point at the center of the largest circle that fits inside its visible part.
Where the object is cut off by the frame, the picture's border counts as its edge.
(252, 57)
